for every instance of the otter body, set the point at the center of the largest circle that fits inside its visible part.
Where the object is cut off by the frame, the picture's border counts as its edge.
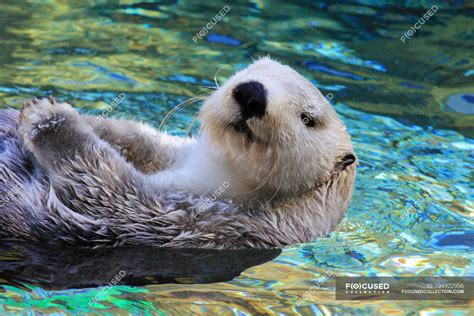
(273, 166)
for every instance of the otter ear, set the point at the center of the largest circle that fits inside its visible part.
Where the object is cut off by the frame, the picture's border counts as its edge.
(344, 161)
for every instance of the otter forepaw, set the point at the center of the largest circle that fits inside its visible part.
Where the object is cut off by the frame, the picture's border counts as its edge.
(43, 115)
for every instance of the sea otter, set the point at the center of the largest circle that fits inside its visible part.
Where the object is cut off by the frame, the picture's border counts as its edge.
(273, 165)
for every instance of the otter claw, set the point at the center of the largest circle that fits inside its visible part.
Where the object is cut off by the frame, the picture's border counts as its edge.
(42, 97)
(37, 100)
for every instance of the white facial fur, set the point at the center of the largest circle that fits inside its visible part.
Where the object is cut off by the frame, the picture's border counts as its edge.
(283, 156)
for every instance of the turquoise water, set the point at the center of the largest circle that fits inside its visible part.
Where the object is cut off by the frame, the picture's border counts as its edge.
(408, 107)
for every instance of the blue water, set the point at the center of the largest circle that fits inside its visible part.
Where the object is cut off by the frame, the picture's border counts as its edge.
(408, 107)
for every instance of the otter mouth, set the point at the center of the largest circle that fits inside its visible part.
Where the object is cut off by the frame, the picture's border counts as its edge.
(242, 127)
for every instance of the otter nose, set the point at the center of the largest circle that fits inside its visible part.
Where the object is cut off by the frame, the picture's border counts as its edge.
(252, 99)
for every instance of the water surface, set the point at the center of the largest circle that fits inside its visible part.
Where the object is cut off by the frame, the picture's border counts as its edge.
(408, 107)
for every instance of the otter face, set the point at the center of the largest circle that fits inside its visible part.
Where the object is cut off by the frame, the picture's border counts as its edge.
(276, 129)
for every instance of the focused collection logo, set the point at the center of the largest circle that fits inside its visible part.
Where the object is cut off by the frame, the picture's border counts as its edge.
(367, 288)
(404, 288)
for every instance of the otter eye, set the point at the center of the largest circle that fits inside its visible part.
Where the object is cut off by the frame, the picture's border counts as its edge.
(307, 119)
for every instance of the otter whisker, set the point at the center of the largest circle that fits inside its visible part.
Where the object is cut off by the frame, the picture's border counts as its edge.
(266, 179)
(190, 126)
(215, 76)
(208, 87)
(273, 196)
(248, 54)
(180, 106)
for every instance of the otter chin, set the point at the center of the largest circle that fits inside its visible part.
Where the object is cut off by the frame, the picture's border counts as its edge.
(273, 165)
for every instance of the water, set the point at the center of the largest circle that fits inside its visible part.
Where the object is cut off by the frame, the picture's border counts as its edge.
(408, 107)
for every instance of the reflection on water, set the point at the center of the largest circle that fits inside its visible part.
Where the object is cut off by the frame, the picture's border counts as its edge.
(65, 267)
(408, 107)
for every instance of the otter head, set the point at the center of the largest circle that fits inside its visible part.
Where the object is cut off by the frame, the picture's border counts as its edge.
(276, 130)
